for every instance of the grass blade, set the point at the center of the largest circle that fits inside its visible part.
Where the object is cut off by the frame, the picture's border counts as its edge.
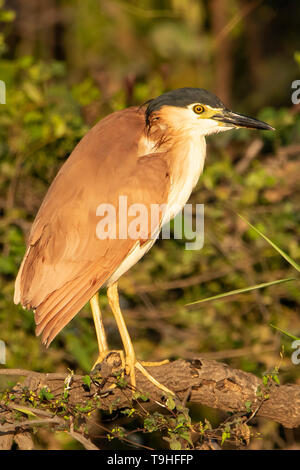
(284, 332)
(280, 251)
(240, 291)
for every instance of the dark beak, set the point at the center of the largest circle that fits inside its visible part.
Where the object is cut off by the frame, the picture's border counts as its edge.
(232, 119)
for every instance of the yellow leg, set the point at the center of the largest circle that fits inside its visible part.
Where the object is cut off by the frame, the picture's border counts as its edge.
(100, 332)
(130, 359)
(104, 352)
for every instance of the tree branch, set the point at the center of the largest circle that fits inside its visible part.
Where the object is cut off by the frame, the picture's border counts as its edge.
(206, 382)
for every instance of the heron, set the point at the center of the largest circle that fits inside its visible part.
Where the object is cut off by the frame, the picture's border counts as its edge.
(150, 154)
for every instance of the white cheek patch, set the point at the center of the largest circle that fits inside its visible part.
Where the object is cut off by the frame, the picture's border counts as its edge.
(217, 129)
(210, 126)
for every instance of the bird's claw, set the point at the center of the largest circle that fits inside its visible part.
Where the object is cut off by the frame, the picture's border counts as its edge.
(115, 363)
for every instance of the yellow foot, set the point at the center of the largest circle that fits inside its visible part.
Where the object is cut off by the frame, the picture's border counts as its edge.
(115, 361)
(140, 367)
(108, 364)
(132, 363)
(114, 355)
(154, 364)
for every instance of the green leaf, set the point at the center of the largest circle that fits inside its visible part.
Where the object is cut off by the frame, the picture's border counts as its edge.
(129, 412)
(240, 291)
(186, 436)
(280, 251)
(45, 394)
(276, 379)
(248, 406)
(87, 381)
(225, 435)
(141, 396)
(24, 410)
(150, 424)
(265, 380)
(170, 403)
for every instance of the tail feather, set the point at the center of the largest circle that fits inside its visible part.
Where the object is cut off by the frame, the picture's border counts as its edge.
(17, 294)
(64, 315)
(47, 316)
(62, 305)
(55, 300)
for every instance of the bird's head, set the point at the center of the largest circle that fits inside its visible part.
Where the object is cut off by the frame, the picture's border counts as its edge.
(195, 109)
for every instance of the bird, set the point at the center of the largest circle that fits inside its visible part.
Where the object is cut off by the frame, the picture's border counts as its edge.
(151, 154)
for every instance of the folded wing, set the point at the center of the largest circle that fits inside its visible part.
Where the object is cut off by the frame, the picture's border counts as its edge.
(65, 262)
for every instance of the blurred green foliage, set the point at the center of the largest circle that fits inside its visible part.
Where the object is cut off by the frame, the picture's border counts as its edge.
(124, 53)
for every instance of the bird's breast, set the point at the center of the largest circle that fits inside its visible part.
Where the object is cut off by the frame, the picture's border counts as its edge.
(188, 165)
(187, 162)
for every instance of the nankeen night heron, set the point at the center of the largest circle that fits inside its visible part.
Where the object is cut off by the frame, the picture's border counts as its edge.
(153, 154)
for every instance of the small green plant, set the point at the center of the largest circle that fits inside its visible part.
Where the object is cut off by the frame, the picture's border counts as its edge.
(45, 394)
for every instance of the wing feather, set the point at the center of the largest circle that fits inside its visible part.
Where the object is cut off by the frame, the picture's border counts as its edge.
(65, 263)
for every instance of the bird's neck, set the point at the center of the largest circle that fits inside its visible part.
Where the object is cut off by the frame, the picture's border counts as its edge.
(187, 161)
(184, 151)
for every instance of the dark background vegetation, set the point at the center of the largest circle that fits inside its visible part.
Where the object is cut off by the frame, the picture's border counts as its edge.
(67, 64)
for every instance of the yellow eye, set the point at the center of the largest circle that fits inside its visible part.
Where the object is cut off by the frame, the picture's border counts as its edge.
(198, 109)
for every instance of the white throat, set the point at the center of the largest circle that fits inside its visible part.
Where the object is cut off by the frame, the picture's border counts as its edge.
(189, 168)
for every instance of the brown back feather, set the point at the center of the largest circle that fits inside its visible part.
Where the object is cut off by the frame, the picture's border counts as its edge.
(65, 263)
